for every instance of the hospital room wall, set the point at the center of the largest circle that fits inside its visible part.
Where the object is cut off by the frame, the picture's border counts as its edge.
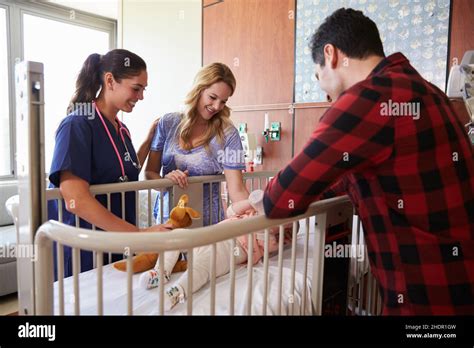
(167, 35)
(462, 28)
(260, 50)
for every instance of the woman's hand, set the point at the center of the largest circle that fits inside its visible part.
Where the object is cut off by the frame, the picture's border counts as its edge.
(178, 177)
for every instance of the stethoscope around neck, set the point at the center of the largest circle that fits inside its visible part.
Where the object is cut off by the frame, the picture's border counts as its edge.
(121, 129)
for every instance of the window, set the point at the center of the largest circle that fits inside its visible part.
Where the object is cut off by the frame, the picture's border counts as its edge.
(59, 38)
(62, 48)
(5, 149)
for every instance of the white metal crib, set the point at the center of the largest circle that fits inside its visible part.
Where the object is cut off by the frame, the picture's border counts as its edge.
(308, 301)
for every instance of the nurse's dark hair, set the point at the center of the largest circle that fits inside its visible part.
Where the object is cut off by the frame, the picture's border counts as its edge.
(121, 63)
(350, 31)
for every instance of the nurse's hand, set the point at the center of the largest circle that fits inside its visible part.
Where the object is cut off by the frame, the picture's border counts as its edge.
(178, 177)
(151, 132)
(144, 149)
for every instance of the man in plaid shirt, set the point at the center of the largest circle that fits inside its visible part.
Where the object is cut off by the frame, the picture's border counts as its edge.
(393, 143)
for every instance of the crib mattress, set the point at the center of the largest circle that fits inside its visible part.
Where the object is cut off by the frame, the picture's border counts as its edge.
(145, 302)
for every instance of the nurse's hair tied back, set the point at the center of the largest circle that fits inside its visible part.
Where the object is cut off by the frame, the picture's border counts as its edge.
(121, 63)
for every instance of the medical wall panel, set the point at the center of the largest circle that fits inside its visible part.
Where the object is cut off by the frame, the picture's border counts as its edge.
(276, 154)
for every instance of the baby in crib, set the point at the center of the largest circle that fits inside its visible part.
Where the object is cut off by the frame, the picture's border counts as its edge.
(202, 255)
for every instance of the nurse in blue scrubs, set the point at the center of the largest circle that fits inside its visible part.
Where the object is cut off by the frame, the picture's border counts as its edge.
(94, 147)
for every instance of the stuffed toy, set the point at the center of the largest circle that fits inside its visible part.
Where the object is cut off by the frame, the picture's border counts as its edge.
(180, 217)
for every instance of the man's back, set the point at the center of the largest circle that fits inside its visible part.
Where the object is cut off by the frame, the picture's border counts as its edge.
(398, 149)
(426, 187)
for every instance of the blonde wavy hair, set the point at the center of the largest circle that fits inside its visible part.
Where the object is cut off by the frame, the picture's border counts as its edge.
(205, 78)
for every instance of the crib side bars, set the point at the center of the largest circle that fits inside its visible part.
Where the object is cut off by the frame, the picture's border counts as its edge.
(249, 309)
(291, 300)
(318, 265)
(265, 273)
(305, 270)
(249, 274)
(232, 278)
(280, 267)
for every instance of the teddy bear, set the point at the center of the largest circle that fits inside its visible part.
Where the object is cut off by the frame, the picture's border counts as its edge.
(180, 217)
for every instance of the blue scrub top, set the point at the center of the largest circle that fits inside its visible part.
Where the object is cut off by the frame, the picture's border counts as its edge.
(84, 148)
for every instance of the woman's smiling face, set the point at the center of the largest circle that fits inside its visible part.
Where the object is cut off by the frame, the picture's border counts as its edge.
(213, 99)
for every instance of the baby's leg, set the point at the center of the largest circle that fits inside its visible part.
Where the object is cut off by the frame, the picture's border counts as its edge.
(201, 269)
(171, 257)
(151, 279)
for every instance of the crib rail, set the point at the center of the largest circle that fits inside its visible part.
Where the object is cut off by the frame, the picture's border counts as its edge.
(149, 189)
(162, 184)
(183, 239)
(173, 240)
(254, 180)
(317, 219)
(363, 294)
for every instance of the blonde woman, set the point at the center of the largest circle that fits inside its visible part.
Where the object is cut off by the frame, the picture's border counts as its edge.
(200, 141)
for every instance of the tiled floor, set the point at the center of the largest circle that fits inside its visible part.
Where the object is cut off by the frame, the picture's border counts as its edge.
(8, 304)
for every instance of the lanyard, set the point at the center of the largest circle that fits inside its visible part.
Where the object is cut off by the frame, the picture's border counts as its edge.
(123, 178)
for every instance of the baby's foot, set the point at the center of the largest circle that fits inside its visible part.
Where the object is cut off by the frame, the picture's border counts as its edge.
(151, 279)
(174, 295)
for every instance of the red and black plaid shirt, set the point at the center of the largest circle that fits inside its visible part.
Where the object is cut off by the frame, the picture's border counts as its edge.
(411, 180)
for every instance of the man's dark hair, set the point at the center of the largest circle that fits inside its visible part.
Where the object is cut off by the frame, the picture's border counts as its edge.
(350, 31)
